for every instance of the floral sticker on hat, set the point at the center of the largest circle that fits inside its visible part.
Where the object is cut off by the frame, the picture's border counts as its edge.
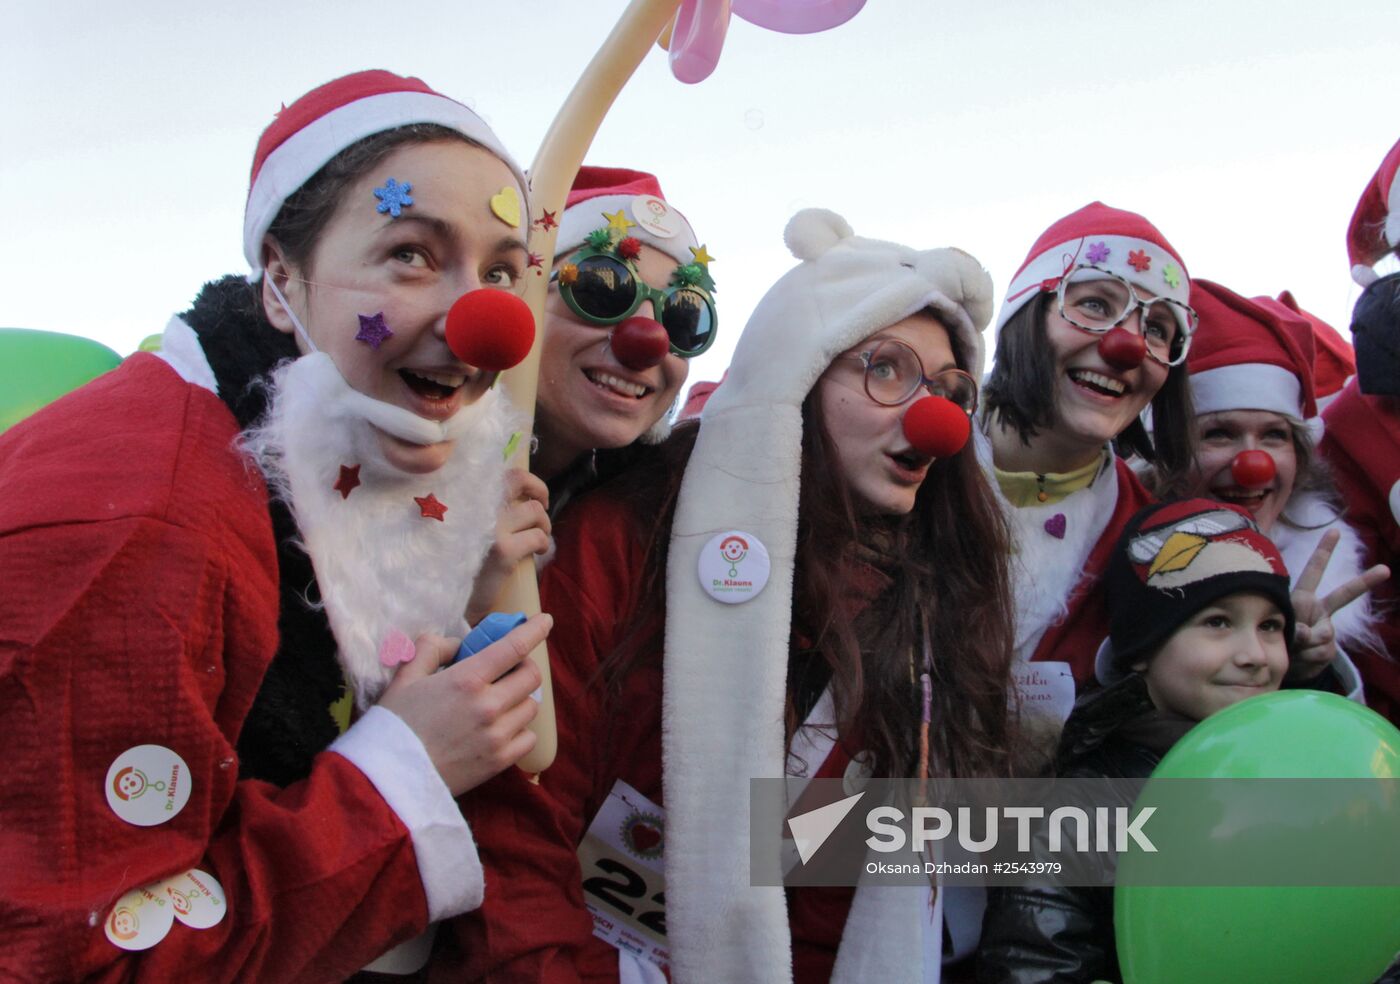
(1139, 260)
(1098, 252)
(1172, 275)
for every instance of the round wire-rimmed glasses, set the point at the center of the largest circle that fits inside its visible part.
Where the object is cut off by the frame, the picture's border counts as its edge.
(894, 372)
(1097, 301)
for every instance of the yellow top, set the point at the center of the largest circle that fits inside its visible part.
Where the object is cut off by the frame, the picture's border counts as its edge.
(1029, 489)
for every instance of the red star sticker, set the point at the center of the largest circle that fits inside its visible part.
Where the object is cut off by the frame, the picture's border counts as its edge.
(430, 507)
(546, 221)
(535, 260)
(347, 482)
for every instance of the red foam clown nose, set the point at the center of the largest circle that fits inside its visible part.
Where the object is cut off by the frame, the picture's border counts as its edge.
(639, 343)
(937, 427)
(1122, 349)
(1253, 469)
(490, 329)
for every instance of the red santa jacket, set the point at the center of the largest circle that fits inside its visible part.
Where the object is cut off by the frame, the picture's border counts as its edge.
(533, 925)
(140, 607)
(1362, 445)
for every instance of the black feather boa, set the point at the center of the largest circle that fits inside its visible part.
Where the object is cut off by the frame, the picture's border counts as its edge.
(290, 721)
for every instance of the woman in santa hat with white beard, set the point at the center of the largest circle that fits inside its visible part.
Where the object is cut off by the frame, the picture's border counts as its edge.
(1251, 368)
(185, 642)
(810, 581)
(1095, 328)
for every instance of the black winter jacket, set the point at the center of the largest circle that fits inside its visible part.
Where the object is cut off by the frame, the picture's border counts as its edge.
(1064, 935)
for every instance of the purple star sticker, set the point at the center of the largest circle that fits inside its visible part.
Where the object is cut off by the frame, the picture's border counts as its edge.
(373, 330)
(393, 197)
(1098, 252)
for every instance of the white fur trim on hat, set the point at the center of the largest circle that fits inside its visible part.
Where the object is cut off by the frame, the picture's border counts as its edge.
(1247, 386)
(1058, 261)
(726, 665)
(1363, 275)
(305, 152)
(581, 219)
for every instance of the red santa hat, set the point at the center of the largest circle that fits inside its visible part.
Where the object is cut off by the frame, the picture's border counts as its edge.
(600, 192)
(307, 134)
(1245, 356)
(1335, 361)
(1375, 225)
(1108, 239)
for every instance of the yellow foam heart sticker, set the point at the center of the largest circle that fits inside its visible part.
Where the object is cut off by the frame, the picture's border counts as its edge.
(505, 204)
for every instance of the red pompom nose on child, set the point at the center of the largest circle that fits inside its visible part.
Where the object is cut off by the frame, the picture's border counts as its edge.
(1122, 349)
(639, 343)
(490, 329)
(1253, 469)
(937, 427)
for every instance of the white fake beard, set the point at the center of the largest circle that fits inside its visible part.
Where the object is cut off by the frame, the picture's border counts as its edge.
(380, 564)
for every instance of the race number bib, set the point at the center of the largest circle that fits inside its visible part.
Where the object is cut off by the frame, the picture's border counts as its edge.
(623, 881)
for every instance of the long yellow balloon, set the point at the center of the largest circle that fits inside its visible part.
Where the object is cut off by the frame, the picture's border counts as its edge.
(551, 175)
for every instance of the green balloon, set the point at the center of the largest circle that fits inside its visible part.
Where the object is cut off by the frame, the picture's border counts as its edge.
(37, 367)
(1267, 935)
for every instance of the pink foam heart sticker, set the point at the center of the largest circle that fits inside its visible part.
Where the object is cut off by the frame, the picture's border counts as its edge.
(1055, 526)
(395, 649)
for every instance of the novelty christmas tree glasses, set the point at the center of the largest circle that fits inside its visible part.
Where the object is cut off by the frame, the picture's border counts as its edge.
(601, 285)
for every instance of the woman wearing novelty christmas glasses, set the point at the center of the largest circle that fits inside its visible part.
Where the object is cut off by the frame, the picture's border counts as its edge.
(812, 582)
(631, 301)
(1095, 327)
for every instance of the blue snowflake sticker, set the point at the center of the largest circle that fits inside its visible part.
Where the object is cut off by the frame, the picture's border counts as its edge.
(393, 197)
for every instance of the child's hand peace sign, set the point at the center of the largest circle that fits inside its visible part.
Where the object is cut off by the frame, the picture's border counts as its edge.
(1315, 641)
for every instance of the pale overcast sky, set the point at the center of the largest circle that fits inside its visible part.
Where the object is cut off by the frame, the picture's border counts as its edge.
(1244, 130)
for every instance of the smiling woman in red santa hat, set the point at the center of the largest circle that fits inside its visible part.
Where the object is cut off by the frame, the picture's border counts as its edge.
(1094, 329)
(630, 302)
(185, 641)
(1251, 368)
(808, 582)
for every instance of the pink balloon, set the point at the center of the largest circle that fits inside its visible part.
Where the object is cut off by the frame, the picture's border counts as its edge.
(697, 38)
(797, 16)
